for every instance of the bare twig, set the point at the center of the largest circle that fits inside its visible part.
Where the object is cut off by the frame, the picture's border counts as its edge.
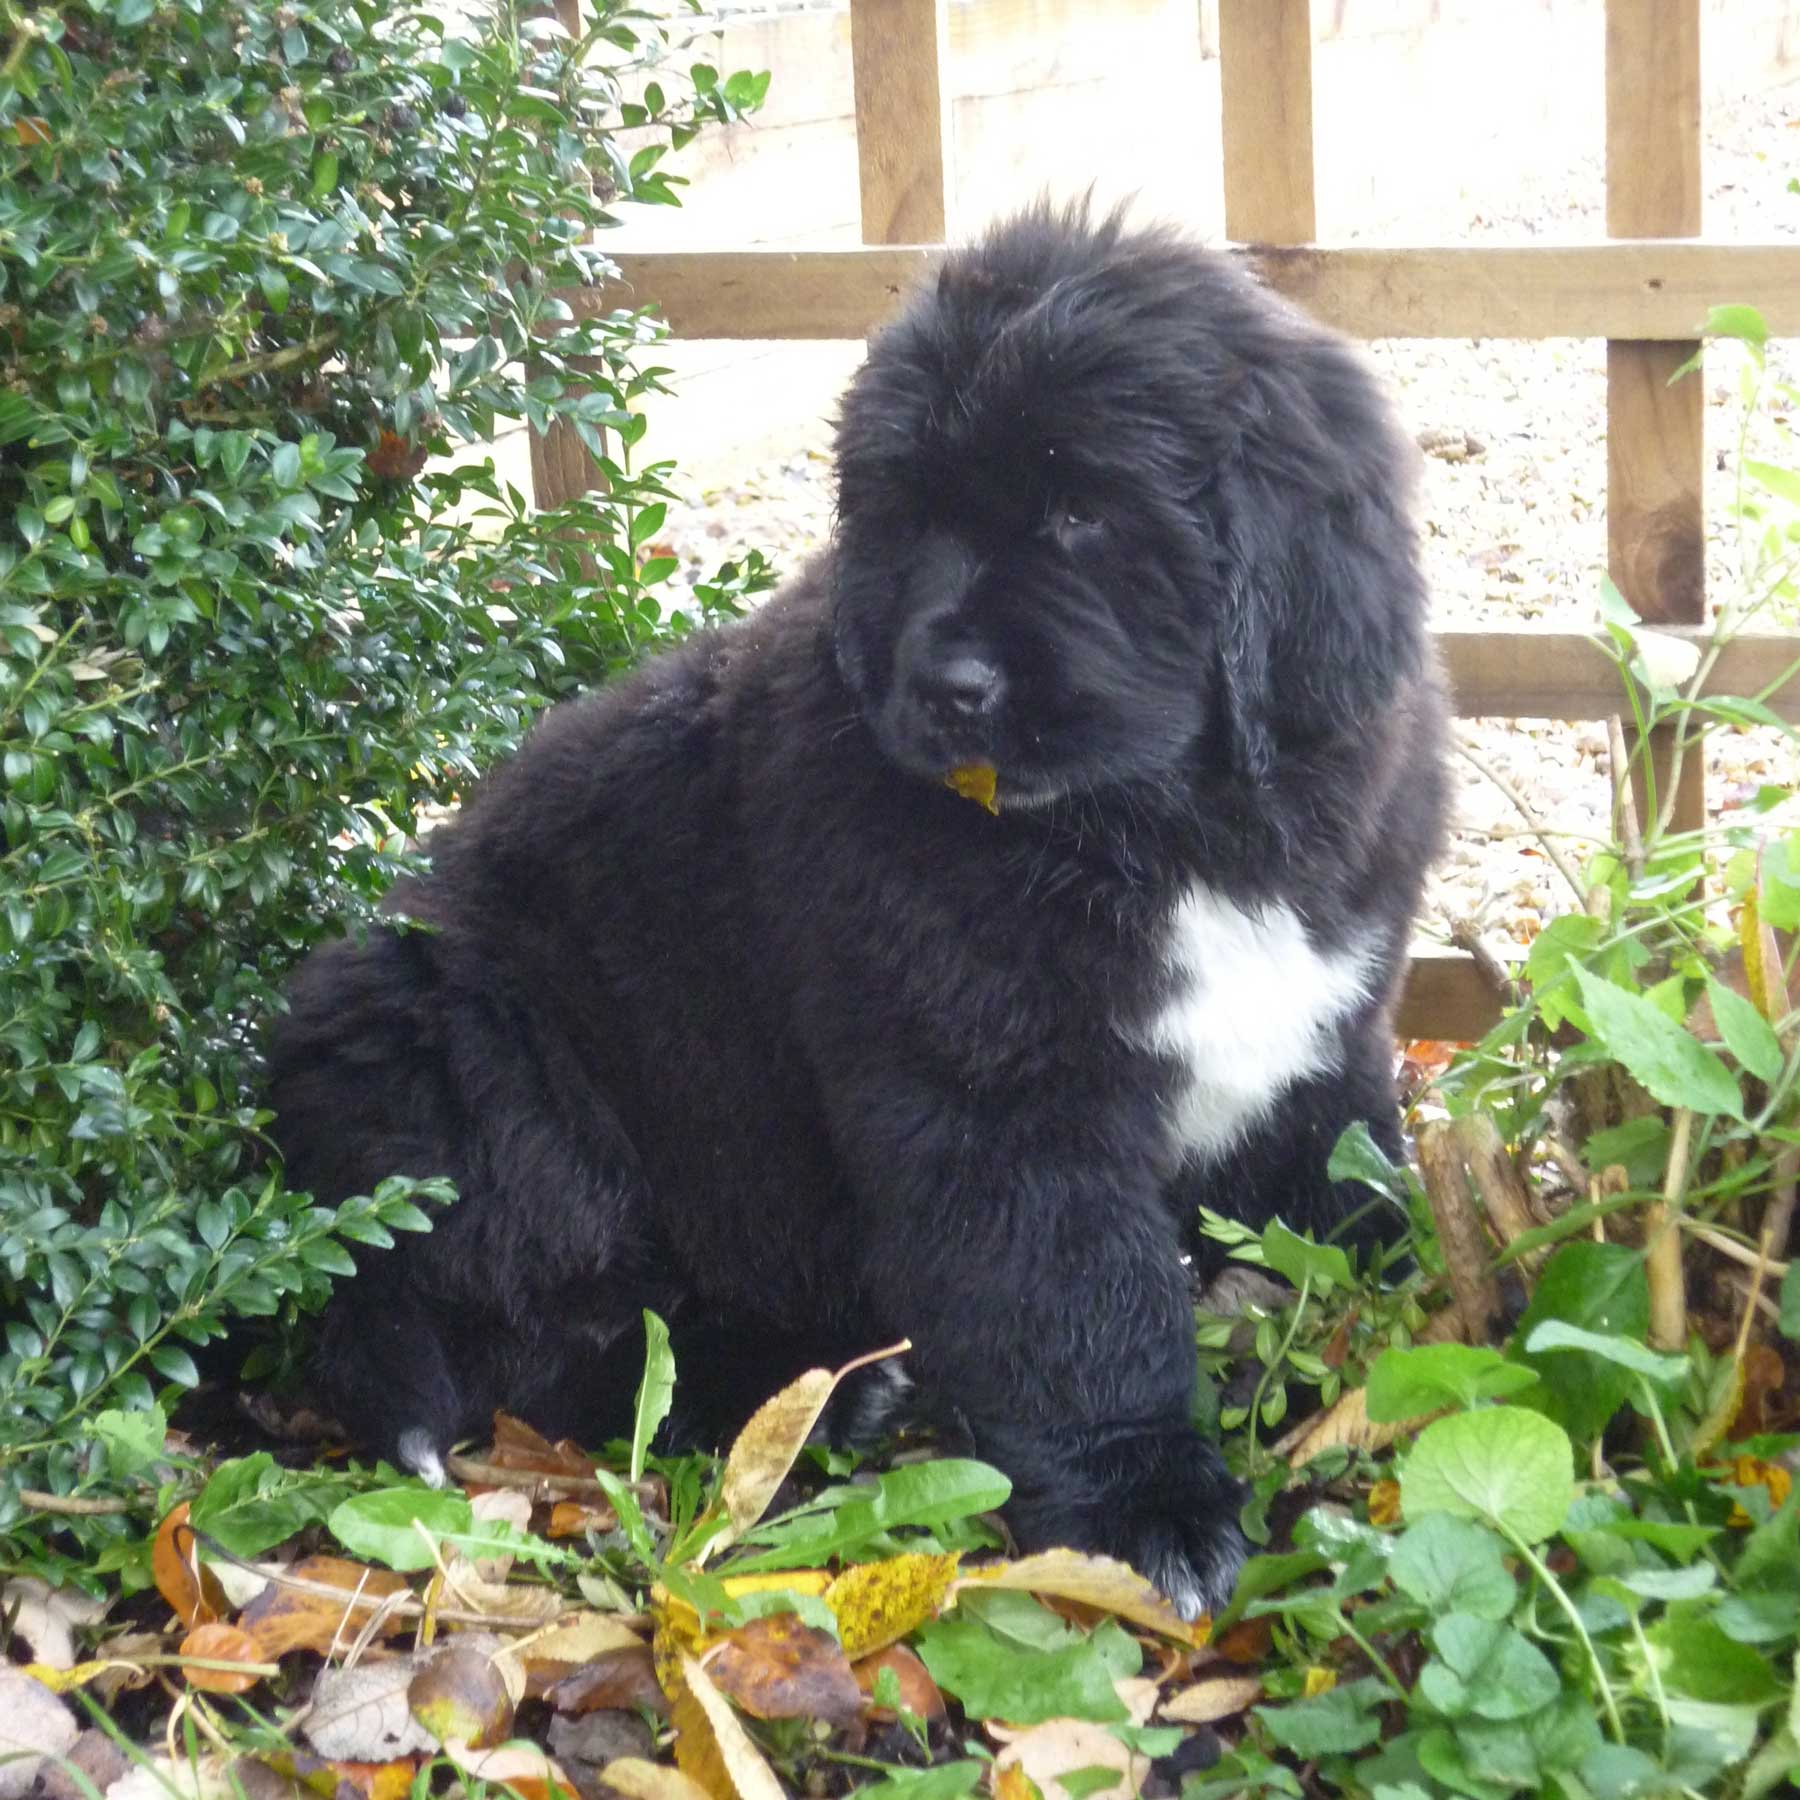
(1727, 1246)
(1465, 937)
(1497, 1182)
(1468, 1253)
(1539, 829)
(1662, 1240)
(73, 1505)
(1625, 812)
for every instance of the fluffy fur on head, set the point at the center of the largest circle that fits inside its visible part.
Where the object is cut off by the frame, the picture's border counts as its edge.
(733, 1009)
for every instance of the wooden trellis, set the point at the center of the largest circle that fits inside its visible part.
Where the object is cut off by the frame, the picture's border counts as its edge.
(1645, 292)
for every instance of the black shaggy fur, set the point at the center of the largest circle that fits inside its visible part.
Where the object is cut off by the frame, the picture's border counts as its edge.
(732, 1009)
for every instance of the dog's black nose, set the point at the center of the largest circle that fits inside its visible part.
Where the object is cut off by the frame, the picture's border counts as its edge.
(961, 687)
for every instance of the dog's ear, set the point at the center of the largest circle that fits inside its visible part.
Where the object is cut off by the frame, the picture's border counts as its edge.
(1325, 600)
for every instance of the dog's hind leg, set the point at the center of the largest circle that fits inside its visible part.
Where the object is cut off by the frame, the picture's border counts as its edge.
(390, 1064)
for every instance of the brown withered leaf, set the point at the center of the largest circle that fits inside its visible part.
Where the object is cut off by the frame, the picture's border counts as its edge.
(191, 1589)
(1247, 1642)
(460, 1697)
(283, 1618)
(879, 1603)
(576, 1518)
(341, 1780)
(518, 1446)
(1764, 1406)
(1012, 1783)
(615, 1681)
(778, 1668)
(396, 458)
(919, 1694)
(519, 1766)
(711, 1745)
(218, 1642)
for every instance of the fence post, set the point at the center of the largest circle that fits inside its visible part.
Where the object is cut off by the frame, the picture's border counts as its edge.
(561, 467)
(899, 51)
(1265, 98)
(1655, 436)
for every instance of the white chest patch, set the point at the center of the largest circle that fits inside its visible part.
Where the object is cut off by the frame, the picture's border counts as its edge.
(1251, 1009)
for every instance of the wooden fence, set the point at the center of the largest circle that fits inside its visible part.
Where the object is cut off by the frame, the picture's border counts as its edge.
(1645, 292)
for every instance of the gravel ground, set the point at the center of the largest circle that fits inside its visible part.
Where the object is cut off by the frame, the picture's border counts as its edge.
(1513, 512)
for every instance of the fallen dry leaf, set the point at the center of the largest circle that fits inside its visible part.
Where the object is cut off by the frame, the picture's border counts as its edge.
(34, 1724)
(1384, 1503)
(518, 1446)
(219, 1642)
(372, 1781)
(1213, 1698)
(460, 1697)
(919, 1694)
(776, 1434)
(283, 1617)
(45, 1619)
(615, 1681)
(976, 781)
(879, 1603)
(1247, 1642)
(778, 1668)
(639, 1779)
(1098, 1581)
(1061, 1746)
(504, 1506)
(1012, 1783)
(575, 1518)
(533, 1664)
(712, 1746)
(191, 1589)
(521, 1766)
(361, 1715)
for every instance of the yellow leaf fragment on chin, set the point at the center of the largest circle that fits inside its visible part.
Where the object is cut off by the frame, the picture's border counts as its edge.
(977, 782)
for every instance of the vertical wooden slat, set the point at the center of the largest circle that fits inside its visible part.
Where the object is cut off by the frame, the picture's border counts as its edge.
(899, 52)
(1265, 92)
(1655, 436)
(561, 467)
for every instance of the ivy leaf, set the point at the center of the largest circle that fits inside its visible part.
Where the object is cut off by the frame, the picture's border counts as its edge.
(1449, 1564)
(1407, 1383)
(999, 1678)
(1507, 1467)
(1671, 1063)
(1602, 1288)
(1329, 1724)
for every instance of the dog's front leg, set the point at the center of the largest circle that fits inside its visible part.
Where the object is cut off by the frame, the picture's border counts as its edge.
(1047, 1307)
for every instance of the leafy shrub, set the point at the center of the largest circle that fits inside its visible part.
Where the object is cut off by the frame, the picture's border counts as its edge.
(258, 262)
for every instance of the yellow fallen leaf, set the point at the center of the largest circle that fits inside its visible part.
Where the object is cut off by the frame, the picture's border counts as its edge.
(63, 1681)
(1212, 1699)
(877, 1604)
(976, 781)
(711, 1745)
(1384, 1503)
(1061, 1747)
(637, 1778)
(1318, 1681)
(1099, 1581)
(776, 1434)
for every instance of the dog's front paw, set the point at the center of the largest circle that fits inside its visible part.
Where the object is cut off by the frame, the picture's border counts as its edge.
(1162, 1501)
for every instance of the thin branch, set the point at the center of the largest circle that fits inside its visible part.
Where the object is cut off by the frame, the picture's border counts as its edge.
(1624, 801)
(73, 1505)
(1539, 829)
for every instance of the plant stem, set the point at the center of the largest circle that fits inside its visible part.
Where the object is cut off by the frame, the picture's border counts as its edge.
(1287, 1343)
(1608, 1699)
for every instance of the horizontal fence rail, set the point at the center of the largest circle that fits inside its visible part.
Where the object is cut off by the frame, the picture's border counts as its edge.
(1651, 289)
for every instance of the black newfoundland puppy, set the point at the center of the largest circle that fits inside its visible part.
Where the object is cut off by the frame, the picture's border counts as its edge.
(729, 1006)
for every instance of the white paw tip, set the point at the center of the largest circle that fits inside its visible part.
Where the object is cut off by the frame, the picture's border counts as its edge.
(419, 1454)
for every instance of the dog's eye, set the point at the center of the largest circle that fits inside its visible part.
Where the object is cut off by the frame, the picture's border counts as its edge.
(1073, 520)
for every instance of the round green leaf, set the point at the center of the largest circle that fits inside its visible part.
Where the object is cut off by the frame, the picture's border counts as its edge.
(1510, 1468)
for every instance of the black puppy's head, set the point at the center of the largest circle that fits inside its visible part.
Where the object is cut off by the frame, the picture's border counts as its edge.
(1108, 513)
